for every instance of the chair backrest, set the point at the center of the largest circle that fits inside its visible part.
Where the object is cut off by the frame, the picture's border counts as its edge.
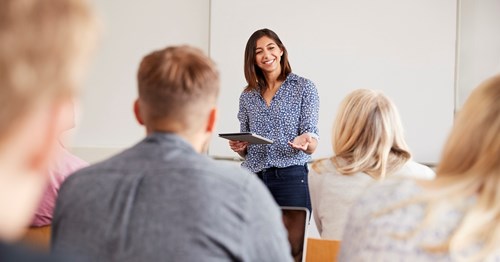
(38, 237)
(320, 250)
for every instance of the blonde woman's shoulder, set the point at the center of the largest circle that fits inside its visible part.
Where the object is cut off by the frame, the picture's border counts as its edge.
(416, 170)
(322, 172)
(322, 167)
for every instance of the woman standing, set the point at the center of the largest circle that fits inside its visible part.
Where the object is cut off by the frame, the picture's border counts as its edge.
(283, 107)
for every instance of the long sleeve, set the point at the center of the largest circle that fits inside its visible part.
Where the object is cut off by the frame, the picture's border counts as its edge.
(309, 111)
(243, 116)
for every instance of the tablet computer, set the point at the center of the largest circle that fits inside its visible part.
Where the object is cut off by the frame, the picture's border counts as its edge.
(246, 137)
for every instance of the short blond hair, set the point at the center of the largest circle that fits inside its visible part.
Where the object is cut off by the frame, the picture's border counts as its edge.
(368, 135)
(43, 46)
(177, 85)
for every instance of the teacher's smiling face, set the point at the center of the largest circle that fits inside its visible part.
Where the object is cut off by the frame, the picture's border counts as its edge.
(268, 55)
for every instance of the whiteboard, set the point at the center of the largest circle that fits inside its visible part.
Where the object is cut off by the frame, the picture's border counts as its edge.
(479, 48)
(129, 31)
(404, 48)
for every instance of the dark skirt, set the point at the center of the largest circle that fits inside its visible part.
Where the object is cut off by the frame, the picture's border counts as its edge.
(288, 185)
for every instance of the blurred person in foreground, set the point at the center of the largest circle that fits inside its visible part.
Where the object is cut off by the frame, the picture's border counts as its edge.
(452, 218)
(63, 165)
(43, 48)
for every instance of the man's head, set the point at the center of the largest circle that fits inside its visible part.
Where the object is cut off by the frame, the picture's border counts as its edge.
(178, 89)
(43, 45)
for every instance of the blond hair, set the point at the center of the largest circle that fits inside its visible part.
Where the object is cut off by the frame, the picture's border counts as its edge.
(177, 85)
(43, 46)
(368, 135)
(470, 167)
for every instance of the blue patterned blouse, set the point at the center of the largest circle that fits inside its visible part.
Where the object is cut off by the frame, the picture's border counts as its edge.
(294, 110)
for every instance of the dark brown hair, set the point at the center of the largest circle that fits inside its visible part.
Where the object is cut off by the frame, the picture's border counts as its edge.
(253, 74)
(177, 84)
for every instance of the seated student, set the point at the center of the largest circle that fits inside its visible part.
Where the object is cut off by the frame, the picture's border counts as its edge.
(43, 46)
(369, 146)
(452, 218)
(163, 199)
(59, 169)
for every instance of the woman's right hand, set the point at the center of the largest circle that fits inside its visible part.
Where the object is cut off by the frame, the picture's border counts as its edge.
(239, 147)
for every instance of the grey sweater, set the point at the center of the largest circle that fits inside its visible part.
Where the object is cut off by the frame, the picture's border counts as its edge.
(162, 201)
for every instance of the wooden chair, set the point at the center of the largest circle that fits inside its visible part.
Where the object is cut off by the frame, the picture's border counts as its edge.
(38, 238)
(320, 250)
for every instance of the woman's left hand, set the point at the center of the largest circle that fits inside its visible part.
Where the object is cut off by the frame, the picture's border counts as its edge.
(304, 142)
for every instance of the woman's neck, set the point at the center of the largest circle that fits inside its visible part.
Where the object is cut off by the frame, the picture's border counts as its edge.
(272, 79)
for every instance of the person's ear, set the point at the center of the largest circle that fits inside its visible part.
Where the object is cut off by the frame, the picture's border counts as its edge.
(137, 112)
(212, 119)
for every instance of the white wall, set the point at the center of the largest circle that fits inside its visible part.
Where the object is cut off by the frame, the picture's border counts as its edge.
(405, 48)
(479, 44)
(131, 29)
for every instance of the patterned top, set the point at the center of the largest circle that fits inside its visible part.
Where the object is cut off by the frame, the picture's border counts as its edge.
(294, 110)
(381, 238)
